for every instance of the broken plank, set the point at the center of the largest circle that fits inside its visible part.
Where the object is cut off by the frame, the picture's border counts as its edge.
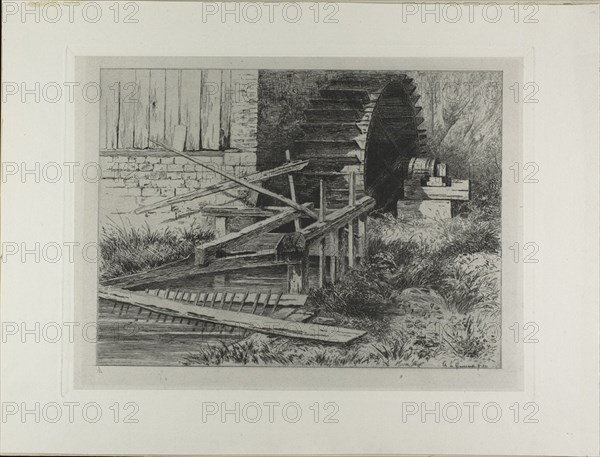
(245, 183)
(208, 251)
(224, 186)
(256, 323)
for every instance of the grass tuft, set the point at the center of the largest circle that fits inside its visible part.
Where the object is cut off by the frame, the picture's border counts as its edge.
(126, 250)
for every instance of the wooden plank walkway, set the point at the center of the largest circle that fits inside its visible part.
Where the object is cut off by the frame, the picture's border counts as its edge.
(257, 323)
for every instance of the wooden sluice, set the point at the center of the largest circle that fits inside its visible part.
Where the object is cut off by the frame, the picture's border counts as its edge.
(189, 311)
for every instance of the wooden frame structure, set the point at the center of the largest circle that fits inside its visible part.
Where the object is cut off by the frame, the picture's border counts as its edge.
(336, 236)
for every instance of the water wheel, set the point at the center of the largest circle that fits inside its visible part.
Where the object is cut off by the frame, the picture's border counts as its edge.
(369, 127)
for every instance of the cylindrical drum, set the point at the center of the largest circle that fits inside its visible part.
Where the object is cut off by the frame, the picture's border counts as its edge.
(422, 167)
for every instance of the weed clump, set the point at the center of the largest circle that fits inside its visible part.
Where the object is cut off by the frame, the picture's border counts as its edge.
(126, 250)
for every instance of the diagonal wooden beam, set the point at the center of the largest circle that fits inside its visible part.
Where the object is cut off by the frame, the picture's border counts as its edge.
(338, 219)
(288, 158)
(244, 183)
(224, 186)
(208, 251)
(185, 268)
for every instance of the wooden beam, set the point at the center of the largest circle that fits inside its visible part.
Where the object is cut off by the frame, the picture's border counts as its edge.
(224, 186)
(458, 190)
(220, 226)
(232, 211)
(322, 259)
(208, 251)
(288, 159)
(342, 252)
(351, 241)
(245, 183)
(333, 240)
(252, 322)
(351, 202)
(186, 268)
(338, 219)
(322, 201)
(298, 274)
(362, 236)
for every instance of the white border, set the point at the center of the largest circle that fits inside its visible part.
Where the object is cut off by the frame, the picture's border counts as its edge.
(561, 215)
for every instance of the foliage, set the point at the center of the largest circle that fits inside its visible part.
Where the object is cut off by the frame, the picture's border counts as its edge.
(428, 294)
(125, 250)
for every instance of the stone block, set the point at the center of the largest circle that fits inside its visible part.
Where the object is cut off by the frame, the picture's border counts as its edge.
(169, 183)
(192, 183)
(182, 190)
(150, 192)
(175, 167)
(165, 192)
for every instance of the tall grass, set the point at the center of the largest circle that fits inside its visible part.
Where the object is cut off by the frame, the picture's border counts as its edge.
(125, 250)
(457, 258)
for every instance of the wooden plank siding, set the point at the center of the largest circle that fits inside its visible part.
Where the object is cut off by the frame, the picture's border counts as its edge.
(127, 100)
(139, 105)
(210, 108)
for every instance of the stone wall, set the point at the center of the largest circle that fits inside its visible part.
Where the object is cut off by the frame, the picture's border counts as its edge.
(132, 180)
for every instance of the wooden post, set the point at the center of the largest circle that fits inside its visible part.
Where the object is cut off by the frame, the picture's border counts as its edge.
(297, 275)
(220, 226)
(334, 246)
(322, 201)
(342, 250)
(322, 211)
(362, 236)
(321, 262)
(292, 189)
(351, 202)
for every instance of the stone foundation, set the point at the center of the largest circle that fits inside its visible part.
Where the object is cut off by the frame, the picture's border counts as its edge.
(134, 178)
